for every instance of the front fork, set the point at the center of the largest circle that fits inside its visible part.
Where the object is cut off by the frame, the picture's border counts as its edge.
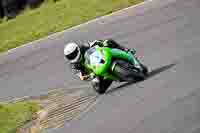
(101, 85)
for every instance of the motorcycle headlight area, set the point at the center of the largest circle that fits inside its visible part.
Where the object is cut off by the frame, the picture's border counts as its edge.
(96, 58)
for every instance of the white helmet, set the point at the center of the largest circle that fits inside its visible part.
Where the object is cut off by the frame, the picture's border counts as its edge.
(72, 52)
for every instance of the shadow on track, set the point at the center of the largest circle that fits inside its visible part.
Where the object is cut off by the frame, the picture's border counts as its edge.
(151, 74)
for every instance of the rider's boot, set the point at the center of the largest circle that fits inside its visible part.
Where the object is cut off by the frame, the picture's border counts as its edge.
(137, 62)
(132, 51)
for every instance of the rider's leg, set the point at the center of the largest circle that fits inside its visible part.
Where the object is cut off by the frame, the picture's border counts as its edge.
(119, 54)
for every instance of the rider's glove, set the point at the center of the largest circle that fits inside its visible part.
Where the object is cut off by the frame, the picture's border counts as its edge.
(83, 77)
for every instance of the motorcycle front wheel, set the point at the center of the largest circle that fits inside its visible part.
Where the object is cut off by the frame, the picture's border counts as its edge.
(100, 85)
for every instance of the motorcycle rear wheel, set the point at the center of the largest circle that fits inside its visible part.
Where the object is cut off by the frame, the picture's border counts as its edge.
(127, 72)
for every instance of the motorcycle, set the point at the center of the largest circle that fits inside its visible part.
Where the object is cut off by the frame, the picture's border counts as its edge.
(110, 64)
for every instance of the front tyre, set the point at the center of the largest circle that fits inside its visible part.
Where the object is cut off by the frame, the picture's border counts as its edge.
(101, 85)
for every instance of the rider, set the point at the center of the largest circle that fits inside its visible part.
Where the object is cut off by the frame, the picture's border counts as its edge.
(73, 53)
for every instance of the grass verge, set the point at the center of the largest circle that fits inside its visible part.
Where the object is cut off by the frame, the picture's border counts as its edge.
(53, 17)
(13, 115)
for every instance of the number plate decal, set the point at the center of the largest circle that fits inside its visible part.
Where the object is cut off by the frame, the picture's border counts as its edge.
(95, 58)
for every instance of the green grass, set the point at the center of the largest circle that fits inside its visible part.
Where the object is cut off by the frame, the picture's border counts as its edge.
(53, 17)
(16, 114)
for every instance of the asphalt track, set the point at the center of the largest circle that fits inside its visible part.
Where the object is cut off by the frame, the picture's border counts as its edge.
(166, 34)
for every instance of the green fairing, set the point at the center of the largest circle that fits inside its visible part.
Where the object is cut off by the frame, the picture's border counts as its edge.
(107, 55)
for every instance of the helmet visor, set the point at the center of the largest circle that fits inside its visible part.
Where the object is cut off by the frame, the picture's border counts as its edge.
(73, 55)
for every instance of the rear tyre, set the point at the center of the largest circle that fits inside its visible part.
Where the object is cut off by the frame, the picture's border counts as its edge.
(145, 69)
(101, 85)
(127, 72)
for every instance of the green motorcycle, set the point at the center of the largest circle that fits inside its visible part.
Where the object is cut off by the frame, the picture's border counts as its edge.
(110, 64)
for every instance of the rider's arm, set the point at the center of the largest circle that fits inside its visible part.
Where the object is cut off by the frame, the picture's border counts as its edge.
(78, 70)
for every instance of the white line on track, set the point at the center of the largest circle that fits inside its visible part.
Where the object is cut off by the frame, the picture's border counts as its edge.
(81, 25)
